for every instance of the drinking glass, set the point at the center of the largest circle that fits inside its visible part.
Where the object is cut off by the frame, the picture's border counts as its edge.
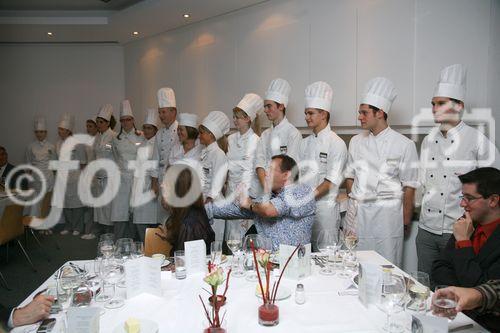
(444, 303)
(233, 240)
(124, 248)
(216, 252)
(418, 290)
(105, 249)
(100, 296)
(327, 246)
(180, 264)
(393, 293)
(350, 240)
(107, 237)
(138, 250)
(113, 272)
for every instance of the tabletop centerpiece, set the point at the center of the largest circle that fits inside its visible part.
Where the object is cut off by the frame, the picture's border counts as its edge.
(268, 311)
(215, 278)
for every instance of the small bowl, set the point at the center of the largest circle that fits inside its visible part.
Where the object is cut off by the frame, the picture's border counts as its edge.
(221, 300)
(159, 256)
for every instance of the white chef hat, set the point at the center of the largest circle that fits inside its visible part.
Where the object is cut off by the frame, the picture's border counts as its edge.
(66, 122)
(126, 109)
(279, 91)
(251, 104)
(451, 83)
(152, 118)
(105, 112)
(166, 98)
(319, 95)
(39, 124)
(217, 123)
(379, 92)
(188, 119)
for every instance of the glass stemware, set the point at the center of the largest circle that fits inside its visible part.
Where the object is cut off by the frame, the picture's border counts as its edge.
(259, 242)
(327, 246)
(418, 290)
(233, 240)
(391, 299)
(113, 272)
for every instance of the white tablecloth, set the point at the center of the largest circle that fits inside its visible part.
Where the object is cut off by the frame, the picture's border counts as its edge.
(179, 309)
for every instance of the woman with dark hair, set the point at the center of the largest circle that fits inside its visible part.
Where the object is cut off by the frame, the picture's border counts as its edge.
(103, 149)
(188, 146)
(125, 147)
(188, 220)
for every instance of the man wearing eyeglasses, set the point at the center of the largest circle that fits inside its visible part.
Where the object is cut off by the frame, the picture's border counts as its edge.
(472, 255)
(451, 149)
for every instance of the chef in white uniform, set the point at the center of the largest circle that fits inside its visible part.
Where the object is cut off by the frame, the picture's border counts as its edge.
(323, 156)
(451, 149)
(88, 216)
(144, 216)
(188, 146)
(166, 138)
(125, 146)
(38, 154)
(382, 175)
(103, 149)
(213, 162)
(282, 137)
(73, 208)
(242, 146)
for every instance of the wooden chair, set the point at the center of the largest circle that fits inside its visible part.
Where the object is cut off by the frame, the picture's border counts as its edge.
(11, 228)
(44, 212)
(155, 244)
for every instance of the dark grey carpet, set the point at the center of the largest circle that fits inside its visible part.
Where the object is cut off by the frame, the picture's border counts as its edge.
(20, 276)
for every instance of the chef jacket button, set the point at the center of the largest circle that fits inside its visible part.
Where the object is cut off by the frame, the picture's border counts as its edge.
(436, 141)
(444, 176)
(433, 158)
(447, 158)
(439, 212)
(442, 194)
(432, 176)
(452, 141)
(428, 210)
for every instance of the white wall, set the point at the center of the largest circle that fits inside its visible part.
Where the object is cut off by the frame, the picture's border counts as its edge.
(344, 42)
(50, 80)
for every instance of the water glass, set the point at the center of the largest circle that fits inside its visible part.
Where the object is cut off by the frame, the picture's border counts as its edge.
(444, 303)
(138, 250)
(418, 290)
(180, 264)
(393, 294)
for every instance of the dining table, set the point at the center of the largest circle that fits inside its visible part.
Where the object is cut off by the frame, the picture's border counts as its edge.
(177, 307)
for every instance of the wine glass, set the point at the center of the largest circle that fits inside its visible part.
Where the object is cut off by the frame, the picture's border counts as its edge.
(106, 249)
(418, 290)
(138, 250)
(113, 273)
(350, 240)
(99, 271)
(233, 240)
(68, 281)
(124, 248)
(216, 253)
(107, 237)
(327, 246)
(444, 303)
(393, 294)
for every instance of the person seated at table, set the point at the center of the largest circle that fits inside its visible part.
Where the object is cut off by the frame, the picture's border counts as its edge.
(483, 299)
(186, 222)
(287, 218)
(6, 168)
(472, 255)
(38, 309)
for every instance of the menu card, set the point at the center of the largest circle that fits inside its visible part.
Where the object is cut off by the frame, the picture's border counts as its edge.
(83, 320)
(370, 283)
(195, 252)
(143, 275)
(299, 266)
(428, 324)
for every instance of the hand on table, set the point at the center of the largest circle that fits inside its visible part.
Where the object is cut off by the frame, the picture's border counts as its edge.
(36, 310)
(466, 298)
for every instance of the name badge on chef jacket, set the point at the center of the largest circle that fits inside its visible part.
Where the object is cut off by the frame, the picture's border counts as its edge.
(206, 171)
(108, 147)
(283, 149)
(323, 157)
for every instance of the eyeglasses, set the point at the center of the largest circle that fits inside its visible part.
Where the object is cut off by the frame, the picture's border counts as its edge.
(469, 198)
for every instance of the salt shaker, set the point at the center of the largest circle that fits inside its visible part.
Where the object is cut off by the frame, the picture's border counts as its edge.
(300, 294)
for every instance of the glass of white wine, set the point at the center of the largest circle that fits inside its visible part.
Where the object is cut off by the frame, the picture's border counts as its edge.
(391, 298)
(234, 242)
(327, 246)
(419, 291)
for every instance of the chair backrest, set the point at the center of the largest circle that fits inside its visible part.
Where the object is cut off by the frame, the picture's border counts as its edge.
(154, 244)
(11, 225)
(45, 206)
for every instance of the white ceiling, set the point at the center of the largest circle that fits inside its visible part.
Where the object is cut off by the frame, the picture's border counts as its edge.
(94, 21)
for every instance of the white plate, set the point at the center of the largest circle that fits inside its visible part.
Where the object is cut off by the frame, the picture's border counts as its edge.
(283, 293)
(147, 326)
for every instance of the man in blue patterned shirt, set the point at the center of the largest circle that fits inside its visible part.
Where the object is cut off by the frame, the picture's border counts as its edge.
(287, 218)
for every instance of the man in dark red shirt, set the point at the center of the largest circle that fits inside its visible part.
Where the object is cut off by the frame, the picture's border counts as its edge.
(472, 255)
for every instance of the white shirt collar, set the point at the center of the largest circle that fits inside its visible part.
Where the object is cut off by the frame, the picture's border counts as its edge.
(173, 126)
(381, 135)
(281, 125)
(324, 132)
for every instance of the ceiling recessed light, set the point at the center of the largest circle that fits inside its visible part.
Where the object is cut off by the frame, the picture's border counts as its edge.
(50, 34)
(186, 15)
(135, 33)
